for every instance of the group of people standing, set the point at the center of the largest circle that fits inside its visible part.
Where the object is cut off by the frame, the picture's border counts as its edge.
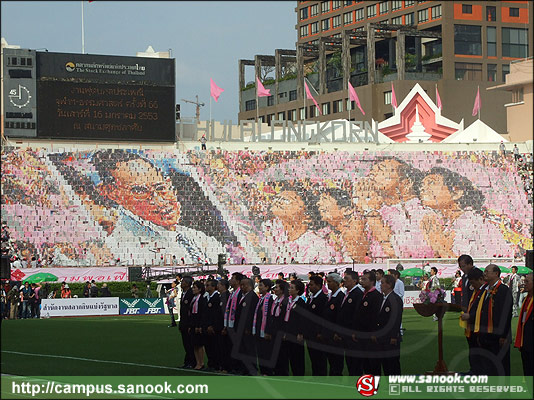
(487, 305)
(348, 322)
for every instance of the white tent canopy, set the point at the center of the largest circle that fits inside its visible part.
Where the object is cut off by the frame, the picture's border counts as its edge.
(478, 132)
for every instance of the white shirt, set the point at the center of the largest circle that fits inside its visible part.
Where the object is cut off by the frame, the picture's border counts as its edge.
(384, 300)
(399, 288)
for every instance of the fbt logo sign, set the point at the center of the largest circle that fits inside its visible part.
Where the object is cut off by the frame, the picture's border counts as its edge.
(141, 306)
(136, 311)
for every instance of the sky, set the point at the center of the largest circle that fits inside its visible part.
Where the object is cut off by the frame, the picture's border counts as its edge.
(207, 38)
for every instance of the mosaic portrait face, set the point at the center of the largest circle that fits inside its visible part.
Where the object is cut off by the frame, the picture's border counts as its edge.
(385, 175)
(141, 189)
(288, 205)
(435, 193)
(330, 211)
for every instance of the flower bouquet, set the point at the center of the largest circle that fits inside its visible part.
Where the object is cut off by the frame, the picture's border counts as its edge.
(431, 303)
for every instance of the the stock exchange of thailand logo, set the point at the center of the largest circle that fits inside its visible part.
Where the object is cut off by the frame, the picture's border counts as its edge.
(70, 67)
(131, 304)
(367, 385)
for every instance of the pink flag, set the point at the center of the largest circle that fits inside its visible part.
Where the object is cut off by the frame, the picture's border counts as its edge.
(476, 107)
(262, 92)
(215, 90)
(393, 97)
(354, 97)
(309, 96)
(438, 99)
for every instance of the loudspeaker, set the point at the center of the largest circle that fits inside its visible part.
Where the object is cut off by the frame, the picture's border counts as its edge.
(135, 274)
(5, 272)
(529, 259)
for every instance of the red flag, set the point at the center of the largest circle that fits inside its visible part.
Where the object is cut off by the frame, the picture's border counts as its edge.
(477, 105)
(354, 97)
(438, 99)
(215, 90)
(262, 92)
(309, 96)
(393, 97)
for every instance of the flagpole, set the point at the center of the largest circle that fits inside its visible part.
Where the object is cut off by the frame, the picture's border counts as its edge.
(349, 103)
(304, 91)
(258, 110)
(83, 31)
(209, 125)
(479, 101)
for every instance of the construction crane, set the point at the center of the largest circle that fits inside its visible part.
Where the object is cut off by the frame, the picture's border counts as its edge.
(198, 104)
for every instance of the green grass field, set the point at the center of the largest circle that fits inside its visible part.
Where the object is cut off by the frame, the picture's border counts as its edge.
(143, 345)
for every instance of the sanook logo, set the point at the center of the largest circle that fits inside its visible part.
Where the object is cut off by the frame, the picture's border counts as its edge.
(367, 385)
(70, 67)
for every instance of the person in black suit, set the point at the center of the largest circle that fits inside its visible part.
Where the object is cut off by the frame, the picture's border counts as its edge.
(261, 327)
(365, 323)
(223, 341)
(185, 321)
(387, 333)
(524, 335)
(293, 329)
(476, 280)
(210, 325)
(314, 323)
(345, 318)
(278, 310)
(244, 348)
(495, 324)
(465, 263)
(230, 313)
(197, 310)
(335, 352)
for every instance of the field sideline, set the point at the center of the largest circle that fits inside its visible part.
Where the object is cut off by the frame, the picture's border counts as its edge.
(143, 345)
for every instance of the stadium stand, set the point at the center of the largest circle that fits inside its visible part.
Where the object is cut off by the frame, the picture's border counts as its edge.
(139, 207)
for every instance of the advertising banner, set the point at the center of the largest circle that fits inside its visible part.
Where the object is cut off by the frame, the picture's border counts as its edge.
(74, 274)
(411, 297)
(142, 306)
(78, 307)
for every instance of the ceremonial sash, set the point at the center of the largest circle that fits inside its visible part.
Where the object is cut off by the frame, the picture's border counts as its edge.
(231, 306)
(289, 307)
(368, 291)
(324, 289)
(194, 304)
(524, 315)
(479, 312)
(490, 307)
(473, 297)
(265, 301)
(277, 305)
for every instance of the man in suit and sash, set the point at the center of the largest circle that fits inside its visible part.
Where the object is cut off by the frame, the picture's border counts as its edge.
(314, 324)
(495, 323)
(229, 328)
(387, 333)
(278, 310)
(261, 327)
(293, 328)
(210, 325)
(524, 334)
(244, 348)
(465, 263)
(345, 318)
(185, 321)
(335, 352)
(224, 344)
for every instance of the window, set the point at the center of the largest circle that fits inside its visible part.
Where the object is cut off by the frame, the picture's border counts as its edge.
(436, 12)
(325, 6)
(303, 31)
(387, 97)
(492, 41)
(517, 95)
(350, 105)
(513, 12)
(505, 71)
(396, 5)
(359, 14)
(491, 13)
(304, 13)
(396, 21)
(422, 15)
(301, 113)
(292, 95)
(314, 10)
(384, 7)
(409, 3)
(467, 9)
(314, 28)
(338, 106)
(337, 35)
(281, 95)
(336, 21)
(325, 108)
(468, 71)
(371, 11)
(492, 72)
(336, 4)
(250, 105)
(292, 115)
(348, 3)
(347, 18)
(408, 19)
(280, 116)
(514, 42)
(325, 24)
(270, 101)
(312, 111)
(467, 40)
